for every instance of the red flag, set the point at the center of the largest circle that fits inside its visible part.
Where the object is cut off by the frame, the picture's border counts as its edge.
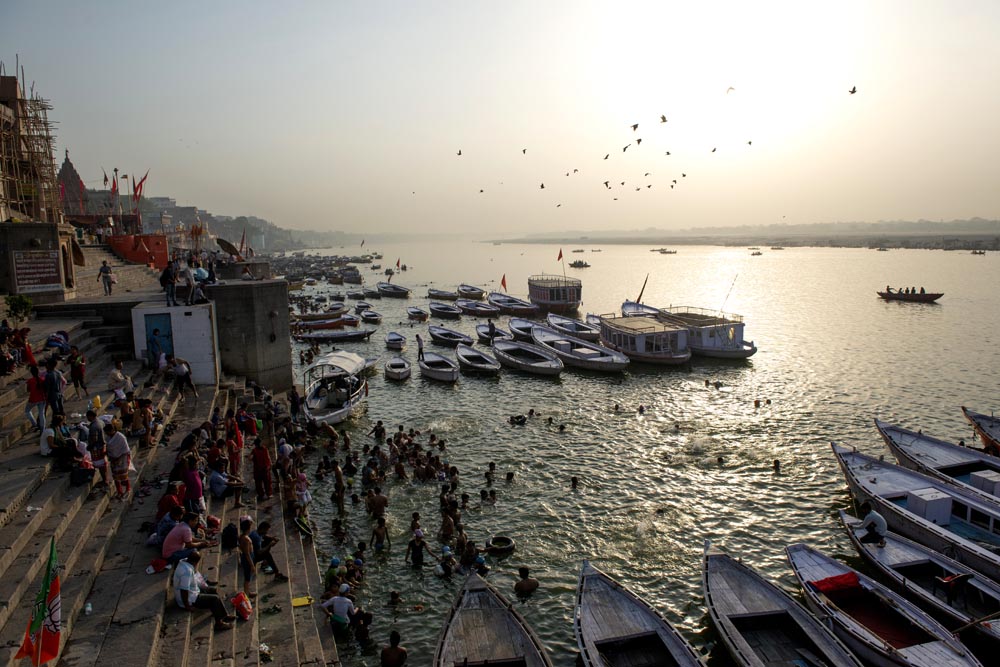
(559, 258)
(114, 187)
(41, 637)
(397, 262)
(139, 186)
(503, 282)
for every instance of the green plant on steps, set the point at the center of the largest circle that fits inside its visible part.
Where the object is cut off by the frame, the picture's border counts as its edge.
(18, 308)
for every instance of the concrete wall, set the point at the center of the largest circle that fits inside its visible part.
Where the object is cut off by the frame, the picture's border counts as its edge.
(32, 240)
(252, 321)
(261, 269)
(193, 335)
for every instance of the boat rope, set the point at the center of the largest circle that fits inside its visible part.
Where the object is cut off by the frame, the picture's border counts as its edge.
(723, 307)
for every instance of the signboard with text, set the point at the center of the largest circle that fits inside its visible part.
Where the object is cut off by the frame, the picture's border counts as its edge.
(36, 271)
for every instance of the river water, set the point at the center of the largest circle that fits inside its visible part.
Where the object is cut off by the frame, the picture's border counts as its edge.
(832, 356)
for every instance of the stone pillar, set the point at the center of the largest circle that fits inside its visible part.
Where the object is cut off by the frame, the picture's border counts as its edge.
(252, 320)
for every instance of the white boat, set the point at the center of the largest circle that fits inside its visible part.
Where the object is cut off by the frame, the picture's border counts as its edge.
(395, 341)
(527, 357)
(575, 328)
(438, 367)
(483, 334)
(520, 328)
(925, 509)
(760, 624)
(472, 360)
(333, 387)
(449, 337)
(579, 353)
(616, 628)
(987, 427)
(471, 292)
(371, 317)
(444, 310)
(971, 469)
(483, 628)
(441, 295)
(559, 294)
(882, 627)
(511, 305)
(646, 339)
(393, 291)
(711, 333)
(954, 592)
(477, 308)
(397, 368)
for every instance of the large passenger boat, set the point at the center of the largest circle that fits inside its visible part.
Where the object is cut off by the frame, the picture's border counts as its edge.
(712, 333)
(558, 294)
(334, 387)
(646, 339)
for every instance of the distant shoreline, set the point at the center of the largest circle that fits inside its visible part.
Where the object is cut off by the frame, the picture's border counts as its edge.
(958, 242)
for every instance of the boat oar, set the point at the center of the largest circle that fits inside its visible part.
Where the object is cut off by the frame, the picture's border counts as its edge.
(988, 617)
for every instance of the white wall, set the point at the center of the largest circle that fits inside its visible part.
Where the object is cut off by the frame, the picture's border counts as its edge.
(194, 336)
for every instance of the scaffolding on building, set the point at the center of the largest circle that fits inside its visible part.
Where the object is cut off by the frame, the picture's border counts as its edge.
(28, 188)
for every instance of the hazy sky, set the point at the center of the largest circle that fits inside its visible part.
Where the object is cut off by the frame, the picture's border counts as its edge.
(349, 115)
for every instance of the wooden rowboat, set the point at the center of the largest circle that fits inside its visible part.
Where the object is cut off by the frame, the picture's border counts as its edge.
(397, 368)
(987, 427)
(483, 334)
(927, 297)
(483, 628)
(444, 310)
(336, 336)
(471, 292)
(477, 308)
(527, 357)
(395, 340)
(579, 353)
(442, 295)
(760, 624)
(616, 628)
(957, 594)
(971, 469)
(449, 337)
(472, 360)
(510, 305)
(520, 328)
(438, 367)
(393, 291)
(573, 327)
(926, 510)
(417, 314)
(880, 626)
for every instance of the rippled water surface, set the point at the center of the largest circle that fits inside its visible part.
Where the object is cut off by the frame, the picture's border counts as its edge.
(831, 357)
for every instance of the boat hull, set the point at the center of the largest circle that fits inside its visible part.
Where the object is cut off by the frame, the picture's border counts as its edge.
(436, 367)
(928, 297)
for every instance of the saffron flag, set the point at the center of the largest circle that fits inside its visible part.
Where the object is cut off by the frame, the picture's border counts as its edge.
(41, 638)
(559, 258)
(114, 187)
(397, 262)
(503, 282)
(139, 186)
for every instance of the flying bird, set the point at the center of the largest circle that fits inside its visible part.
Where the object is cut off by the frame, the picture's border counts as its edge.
(459, 151)
(675, 180)
(638, 141)
(635, 127)
(567, 173)
(646, 174)
(576, 171)
(606, 185)
(607, 156)
(637, 189)
(649, 186)
(480, 191)
(623, 182)
(671, 187)
(663, 119)
(853, 90)
(684, 175)
(729, 90)
(667, 153)
(558, 205)
(713, 150)
(524, 151)
(542, 187)
(749, 143)
(626, 148)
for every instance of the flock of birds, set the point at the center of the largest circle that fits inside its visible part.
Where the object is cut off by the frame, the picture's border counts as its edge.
(609, 184)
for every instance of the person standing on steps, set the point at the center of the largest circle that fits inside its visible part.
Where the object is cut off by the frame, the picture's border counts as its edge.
(77, 370)
(247, 563)
(154, 348)
(120, 458)
(36, 399)
(54, 384)
(105, 276)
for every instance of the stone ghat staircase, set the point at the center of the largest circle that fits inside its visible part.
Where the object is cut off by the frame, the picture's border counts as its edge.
(131, 277)
(102, 555)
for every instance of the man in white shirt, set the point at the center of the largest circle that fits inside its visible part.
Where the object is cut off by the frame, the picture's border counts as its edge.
(340, 609)
(191, 592)
(875, 525)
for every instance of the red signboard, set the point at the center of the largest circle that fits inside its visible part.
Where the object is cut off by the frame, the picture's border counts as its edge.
(37, 271)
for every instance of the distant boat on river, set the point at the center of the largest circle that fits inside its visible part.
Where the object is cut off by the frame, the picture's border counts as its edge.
(918, 297)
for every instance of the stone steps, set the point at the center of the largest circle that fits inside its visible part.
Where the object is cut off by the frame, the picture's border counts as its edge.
(82, 520)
